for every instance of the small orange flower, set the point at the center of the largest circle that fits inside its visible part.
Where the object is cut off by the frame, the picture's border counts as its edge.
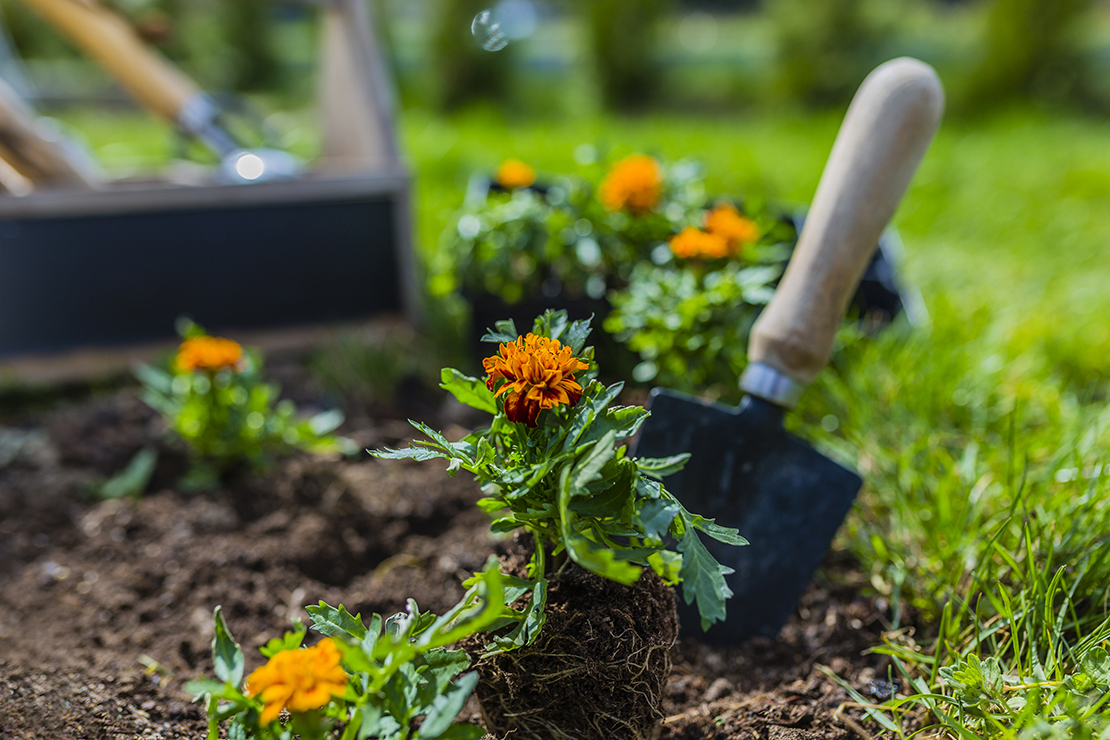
(513, 174)
(208, 353)
(301, 680)
(635, 183)
(538, 374)
(738, 231)
(693, 243)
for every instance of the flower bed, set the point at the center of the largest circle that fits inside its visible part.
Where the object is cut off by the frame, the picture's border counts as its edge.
(108, 605)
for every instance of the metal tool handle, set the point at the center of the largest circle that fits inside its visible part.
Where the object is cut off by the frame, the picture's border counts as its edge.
(885, 134)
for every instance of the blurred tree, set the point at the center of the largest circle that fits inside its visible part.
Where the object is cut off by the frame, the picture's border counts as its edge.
(1031, 47)
(465, 71)
(622, 37)
(826, 48)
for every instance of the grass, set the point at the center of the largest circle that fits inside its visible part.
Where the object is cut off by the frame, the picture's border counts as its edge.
(982, 437)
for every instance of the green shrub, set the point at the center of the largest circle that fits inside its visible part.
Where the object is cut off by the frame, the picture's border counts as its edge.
(825, 49)
(1030, 47)
(466, 72)
(622, 38)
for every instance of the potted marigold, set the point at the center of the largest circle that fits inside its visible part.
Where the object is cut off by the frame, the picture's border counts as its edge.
(584, 652)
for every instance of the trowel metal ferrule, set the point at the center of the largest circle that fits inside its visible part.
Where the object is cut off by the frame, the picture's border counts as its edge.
(764, 381)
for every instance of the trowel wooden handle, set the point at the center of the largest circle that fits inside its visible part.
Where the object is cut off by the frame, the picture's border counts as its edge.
(885, 134)
(112, 43)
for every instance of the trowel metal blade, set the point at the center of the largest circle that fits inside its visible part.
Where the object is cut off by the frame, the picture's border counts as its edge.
(747, 472)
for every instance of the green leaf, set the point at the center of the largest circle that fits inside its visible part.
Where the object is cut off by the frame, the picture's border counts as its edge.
(462, 731)
(336, 622)
(602, 560)
(420, 454)
(197, 688)
(590, 467)
(226, 653)
(444, 665)
(503, 331)
(656, 516)
(727, 535)
(576, 335)
(132, 481)
(586, 413)
(1096, 664)
(532, 621)
(703, 579)
(325, 422)
(470, 391)
(356, 658)
(155, 379)
(661, 467)
(667, 565)
(290, 641)
(441, 715)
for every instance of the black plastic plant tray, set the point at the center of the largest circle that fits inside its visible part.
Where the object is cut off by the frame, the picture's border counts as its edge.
(120, 265)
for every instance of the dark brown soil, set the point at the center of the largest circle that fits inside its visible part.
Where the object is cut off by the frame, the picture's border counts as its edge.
(106, 607)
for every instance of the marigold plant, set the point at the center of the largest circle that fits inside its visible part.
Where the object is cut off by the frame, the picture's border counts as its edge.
(300, 680)
(736, 229)
(213, 397)
(362, 681)
(693, 243)
(634, 184)
(538, 374)
(551, 464)
(513, 174)
(207, 353)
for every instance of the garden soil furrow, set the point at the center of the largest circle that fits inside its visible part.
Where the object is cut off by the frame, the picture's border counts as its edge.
(106, 606)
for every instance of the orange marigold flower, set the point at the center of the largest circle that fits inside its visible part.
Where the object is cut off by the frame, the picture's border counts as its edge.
(513, 174)
(635, 183)
(301, 680)
(693, 243)
(538, 374)
(737, 230)
(208, 353)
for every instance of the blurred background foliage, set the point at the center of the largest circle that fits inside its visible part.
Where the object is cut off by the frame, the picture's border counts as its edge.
(569, 56)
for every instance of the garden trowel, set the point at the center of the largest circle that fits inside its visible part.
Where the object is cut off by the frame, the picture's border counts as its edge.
(746, 471)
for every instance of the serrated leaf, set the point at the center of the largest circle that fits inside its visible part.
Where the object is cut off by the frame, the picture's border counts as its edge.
(226, 653)
(656, 516)
(335, 622)
(703, 579)
(446, 707)
(661, 467)
(444, 665)
(470, 391)
(420, 454)
(727, 535)
(576, 335)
